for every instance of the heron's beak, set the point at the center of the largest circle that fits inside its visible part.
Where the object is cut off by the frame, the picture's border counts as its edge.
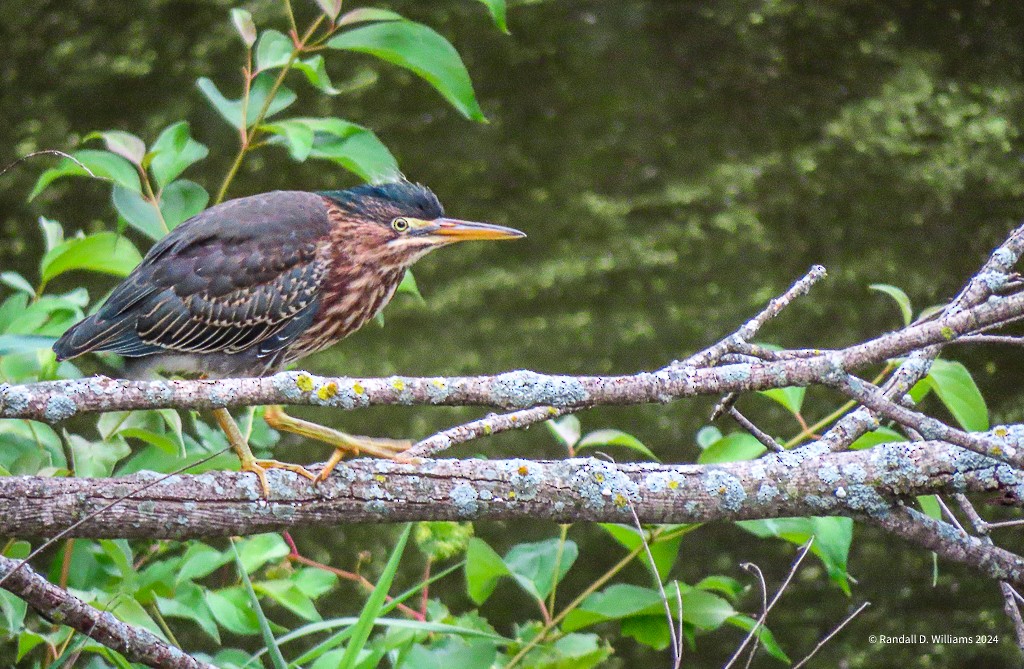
(454, 230)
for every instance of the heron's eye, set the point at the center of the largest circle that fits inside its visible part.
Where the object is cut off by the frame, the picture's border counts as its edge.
(400, 225)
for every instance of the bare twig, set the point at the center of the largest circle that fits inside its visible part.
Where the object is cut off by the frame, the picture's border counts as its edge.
(676, 641)
(751, 567)
(758, 433)
(804, 550)
(1010, 606)
(828, 637)
(492, 424)
(991, 339)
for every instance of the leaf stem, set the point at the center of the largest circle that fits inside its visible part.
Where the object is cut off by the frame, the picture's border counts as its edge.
(563, 533)
(249, 135)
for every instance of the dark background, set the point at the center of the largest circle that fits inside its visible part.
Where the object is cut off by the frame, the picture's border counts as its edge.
(675, 164)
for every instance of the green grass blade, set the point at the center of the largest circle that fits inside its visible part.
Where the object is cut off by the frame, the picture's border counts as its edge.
(276, 658)
(375, 604)
(339, 638)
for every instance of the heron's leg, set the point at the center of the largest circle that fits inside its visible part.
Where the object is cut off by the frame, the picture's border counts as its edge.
(344, 444)
(251, 463)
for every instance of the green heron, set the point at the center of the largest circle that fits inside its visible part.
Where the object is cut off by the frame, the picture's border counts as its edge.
(253, 284)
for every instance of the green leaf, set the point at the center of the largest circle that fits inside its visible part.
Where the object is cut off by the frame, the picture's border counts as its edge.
(881, 435)
(483, 569)
(173, 152)
(732, 448)
(603, 438)
(290, 596)
(440, 540)
(102, 252)
(663, 551)
(231, 110)
(189, 603)
(314, 582)
(162, 442)
(367, 14)
(330, 8)
(421, 50)
(12, 613)
(315, 70)
(122, 143)
(10, 344)
(958, 391)
(832, 539)
(140, 213)
(747, 624)
(104, 165)
(565, 429)
(725, 585)
(273, 650)
(244, 25)
(572, 651)
(96, 459)
(182, 200)
(353, 147)
(261, 549)
(53, 232)
(232, 610)
(702, 609)
(297, 134)
(16, 281)
(200, 560)
(533, 565)
(791, 397)
(498, 13)
(408, 285)
(930, 505)
(273, 50)
(453, 652)
(707, 435)
(27, 640)
(374, 604)
(349, 145)
(901, 298)
(615, 602)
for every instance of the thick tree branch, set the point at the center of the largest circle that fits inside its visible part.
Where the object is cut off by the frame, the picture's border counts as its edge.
(54, 401)
(863, 484)
(61, 607)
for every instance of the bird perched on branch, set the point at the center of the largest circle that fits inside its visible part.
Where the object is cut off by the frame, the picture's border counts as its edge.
(253, 284)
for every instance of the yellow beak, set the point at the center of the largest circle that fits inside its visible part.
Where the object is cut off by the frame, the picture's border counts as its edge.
(454, 230)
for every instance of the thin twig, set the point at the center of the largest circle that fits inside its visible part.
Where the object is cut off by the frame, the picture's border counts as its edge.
(1010, 606)
(677, 642)
(804, 550)
(828, 637)
(491, 424)
(758, 433)
(991, 339)
(47, 152)
(750, 566)
(745, 332)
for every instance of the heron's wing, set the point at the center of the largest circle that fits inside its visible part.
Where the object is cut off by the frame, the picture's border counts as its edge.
(243, 274)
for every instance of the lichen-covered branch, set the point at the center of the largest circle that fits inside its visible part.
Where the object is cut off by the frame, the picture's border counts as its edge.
(61, 607)
(994, 276)
(863, 484)
(54, 401)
